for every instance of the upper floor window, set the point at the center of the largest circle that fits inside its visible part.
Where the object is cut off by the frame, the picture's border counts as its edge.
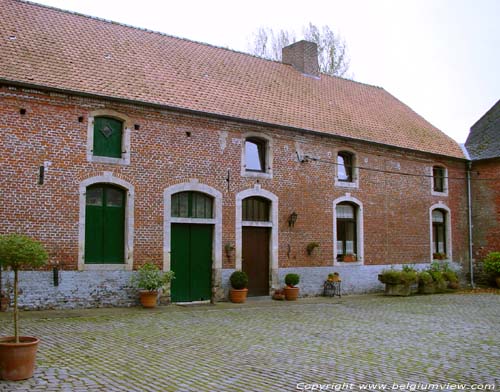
(345, 166)
(192, 205)
(108, 137)
(255, 154)
(439, 180)
(256, 157)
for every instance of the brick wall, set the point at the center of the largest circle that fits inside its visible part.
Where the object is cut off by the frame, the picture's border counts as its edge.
(485, 210)
(396, 208)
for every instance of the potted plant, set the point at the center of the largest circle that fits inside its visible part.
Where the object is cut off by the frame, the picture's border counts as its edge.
(333, 277)
(150, 280)
(426, 283)
(239, 283)
(279, 294)
(398, 282)
(18, 353)
(439, 256)
(291, 292)
(349, 258)
(452, 279)
(491, 264)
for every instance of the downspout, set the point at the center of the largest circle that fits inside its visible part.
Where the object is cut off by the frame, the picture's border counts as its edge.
(469, 213)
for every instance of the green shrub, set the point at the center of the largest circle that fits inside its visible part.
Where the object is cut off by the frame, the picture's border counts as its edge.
(292, 280)
(393, 276)
(450, 276)
(491, 263)
(425, 278)
(437, 276)
(149, 277)
(409, 268)
(239, 280)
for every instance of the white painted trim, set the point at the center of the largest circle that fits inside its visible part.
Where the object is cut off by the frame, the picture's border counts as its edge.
(107, 178)
(194, 186)
(441, 206)
(433, 192)
(355, 170)
(269, 156)
(360, 230)
(127, 126)
(273, 224)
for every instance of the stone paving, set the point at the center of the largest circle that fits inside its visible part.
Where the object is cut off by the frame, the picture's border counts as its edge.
(334, 343)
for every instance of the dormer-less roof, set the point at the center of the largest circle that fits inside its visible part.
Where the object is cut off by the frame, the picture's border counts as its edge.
(55, 49)
(483, 141)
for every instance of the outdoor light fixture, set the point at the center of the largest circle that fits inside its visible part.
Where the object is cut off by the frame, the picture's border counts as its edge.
(292, 219)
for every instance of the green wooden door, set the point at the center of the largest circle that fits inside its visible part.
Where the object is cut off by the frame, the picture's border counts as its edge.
(191, 261)
(104, 225)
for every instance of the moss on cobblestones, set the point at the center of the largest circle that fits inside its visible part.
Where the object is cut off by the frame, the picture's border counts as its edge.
(268, 346)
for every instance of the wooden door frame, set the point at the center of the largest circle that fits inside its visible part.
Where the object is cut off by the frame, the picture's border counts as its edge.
(108, 179)
(216, 221)
(272, 224)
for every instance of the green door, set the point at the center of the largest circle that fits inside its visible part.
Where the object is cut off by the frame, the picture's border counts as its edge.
(104, 225)
(191, 261)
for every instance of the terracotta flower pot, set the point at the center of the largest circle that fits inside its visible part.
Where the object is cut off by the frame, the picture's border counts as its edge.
(291, 293)
(238, 296)
(349, 258)
(148, 298)
(17, 360)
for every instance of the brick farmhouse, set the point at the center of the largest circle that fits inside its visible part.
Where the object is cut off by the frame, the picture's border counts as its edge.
(121, 145)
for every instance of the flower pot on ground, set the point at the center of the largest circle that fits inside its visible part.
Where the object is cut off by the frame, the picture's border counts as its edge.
(291, 292)
(491, 265)
(18, 353)
(149, 279)
(238, 292)
(398, 282)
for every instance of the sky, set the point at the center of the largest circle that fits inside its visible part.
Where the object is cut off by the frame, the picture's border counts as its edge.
(440, 57)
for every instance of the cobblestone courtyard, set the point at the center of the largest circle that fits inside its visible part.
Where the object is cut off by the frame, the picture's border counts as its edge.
(268, 346)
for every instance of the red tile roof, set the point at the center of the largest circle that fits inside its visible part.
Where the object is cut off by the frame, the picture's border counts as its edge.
(59, 49)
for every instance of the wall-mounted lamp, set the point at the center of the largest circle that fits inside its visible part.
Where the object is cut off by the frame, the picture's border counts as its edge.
(292, 219)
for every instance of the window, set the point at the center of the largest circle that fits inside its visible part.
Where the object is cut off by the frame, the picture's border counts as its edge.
(439, 179)
(192, 205)
(255, 155)
(345, 166)
(256, 209)
(346, 230)
(438, 233)
(108, 137)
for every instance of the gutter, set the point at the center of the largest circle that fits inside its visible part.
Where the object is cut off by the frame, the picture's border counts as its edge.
(7, 82)
(469, 221)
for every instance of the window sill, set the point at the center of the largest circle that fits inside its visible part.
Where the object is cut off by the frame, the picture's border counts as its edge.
(347, 263)
(256, 174)
(109, 160)
(346, 184)
(105, 267)
(434, 193)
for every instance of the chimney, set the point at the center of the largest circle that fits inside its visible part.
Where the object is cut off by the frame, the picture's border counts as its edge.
(303, 56)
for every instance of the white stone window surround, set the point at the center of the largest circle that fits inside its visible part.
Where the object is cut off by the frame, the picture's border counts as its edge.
(445, 182)
(194, 186)
(107, 178)
(359, 230)
(441, 206)
(273, 224)
(127, 126)
(269, 155)
(355, 171)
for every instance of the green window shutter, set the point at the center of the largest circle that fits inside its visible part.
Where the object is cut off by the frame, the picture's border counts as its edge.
(108, 137)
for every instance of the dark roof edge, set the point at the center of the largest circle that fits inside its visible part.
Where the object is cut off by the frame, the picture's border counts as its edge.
(7, 82)
(485, 114)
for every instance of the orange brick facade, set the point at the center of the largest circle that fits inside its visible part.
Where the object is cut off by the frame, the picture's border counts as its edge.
(171, 148)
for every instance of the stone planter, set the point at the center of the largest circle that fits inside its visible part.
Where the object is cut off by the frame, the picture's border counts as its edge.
(429, 288)
(400, 290)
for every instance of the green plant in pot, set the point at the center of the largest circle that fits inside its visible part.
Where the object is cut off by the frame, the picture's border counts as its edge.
(18, 353)
(239, 290)
(398, 282)
(426, 283)
(149, 279)
(491, 264)
(292, 292)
